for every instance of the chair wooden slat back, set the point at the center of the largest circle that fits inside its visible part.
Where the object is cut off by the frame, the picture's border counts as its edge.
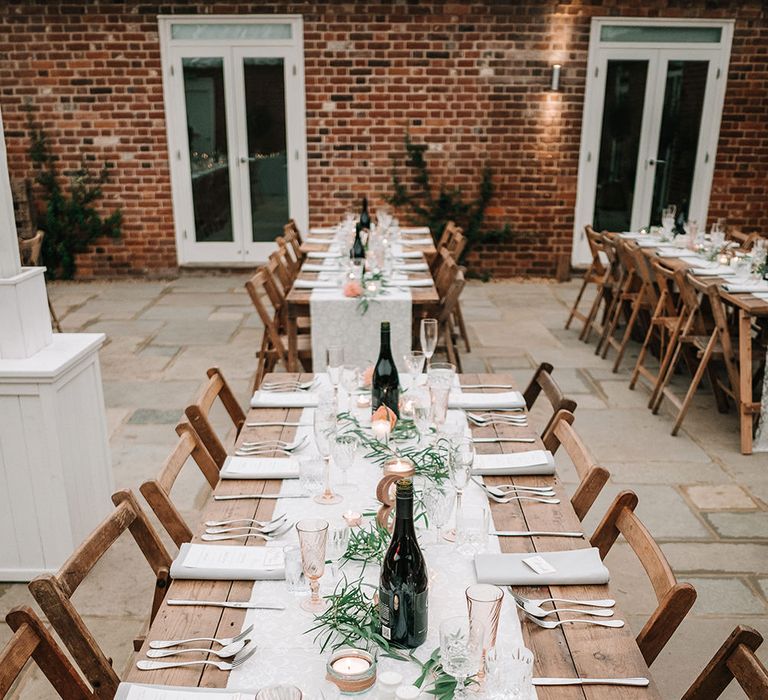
(448, 304)
(293, 228)
(735, 659)
(592, 477)
(54, 591)
(289, 258)
(674, 599)
(30, 249)
(293, 239)
(31, 640)
(449, 231)
(445, 274)
(280, 270)
(456, 245)
(198, 412)
(157, 491)
(542, 381)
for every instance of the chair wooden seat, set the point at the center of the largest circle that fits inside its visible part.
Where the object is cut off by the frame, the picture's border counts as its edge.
(31, 640)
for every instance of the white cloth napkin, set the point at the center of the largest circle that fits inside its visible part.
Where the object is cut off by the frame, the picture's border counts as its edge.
(260, 468)
(645, 242)
(323, 254)
(398, 252)
(718, 271)
(315, 284)
(283, 399)
(411, 267)
(411, 230)
(147, 691)
(319, 267)
(322, 230)
(763, 296)
(501, 399)
(746, 287)
(420, 241)
(667, 252)
(215, 562)
(319, 241)
(530, 463)
(572, 568)
(423, 282)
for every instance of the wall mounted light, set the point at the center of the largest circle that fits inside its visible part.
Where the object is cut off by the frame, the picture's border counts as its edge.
(554, 81)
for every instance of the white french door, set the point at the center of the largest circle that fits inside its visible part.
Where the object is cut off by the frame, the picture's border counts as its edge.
(234, 96)
(654, 97)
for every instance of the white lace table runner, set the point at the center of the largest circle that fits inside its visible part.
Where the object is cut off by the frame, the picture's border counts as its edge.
(286, 654)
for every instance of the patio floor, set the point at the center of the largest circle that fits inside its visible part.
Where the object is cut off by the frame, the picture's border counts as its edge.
(705, 503)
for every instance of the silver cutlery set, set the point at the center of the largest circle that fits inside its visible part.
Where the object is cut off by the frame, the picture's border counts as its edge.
(244, 528)
(506, 493)
(262, 447)
(532, 610)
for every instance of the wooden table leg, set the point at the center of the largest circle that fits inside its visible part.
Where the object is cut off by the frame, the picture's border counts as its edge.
(745, 381)
(293, 341)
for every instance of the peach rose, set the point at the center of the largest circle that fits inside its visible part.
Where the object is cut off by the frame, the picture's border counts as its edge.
(368, 376)
(385, 413)
(353, 289)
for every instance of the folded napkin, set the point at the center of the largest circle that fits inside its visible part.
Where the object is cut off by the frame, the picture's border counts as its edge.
(572, 568)
(668, 252)
(324, 254)
(746, 287)
(412, 267)
(147, 691)
(319, 267)
(531, 463)
(319, 241)
(315, 284)
(422, 282)
(260, 468)
(420, 241)
(717, 271)
(409, 255)
(646, 242)
(411, 230)
(322, 230)
(214, 562)
(500, 399)
(630, 235)
(763, 296)
(283, 399)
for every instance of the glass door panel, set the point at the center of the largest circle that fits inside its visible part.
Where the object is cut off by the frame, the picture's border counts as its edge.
(625, 87)
(206, 125)
(265, 116)
(676, 155)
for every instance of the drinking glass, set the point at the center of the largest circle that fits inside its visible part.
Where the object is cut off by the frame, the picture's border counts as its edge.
(313, 536)
(510, 672)
(472, 530)
(324, 425)
(668, 218)
(335, 360)
(484, 607)
(311, 475)
(292, 554)
(742, 267)
(438, 503)
(438, 405)
(428, 335)
(440, 380)
(460, 458)
(350, 379)
(414, 363)
(344, 447)
(422, 411)
(461, 649)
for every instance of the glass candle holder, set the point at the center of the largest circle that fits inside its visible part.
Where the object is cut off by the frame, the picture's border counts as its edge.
(352, 670)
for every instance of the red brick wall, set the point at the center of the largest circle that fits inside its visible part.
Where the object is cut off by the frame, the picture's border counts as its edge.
(468, 79)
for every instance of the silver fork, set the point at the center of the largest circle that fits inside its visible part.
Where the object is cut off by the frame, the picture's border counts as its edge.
(538, 611)
(552, 624)
(150, 665)
(223, 641)
(493, 422)
(482, 419)
(288, 385)
(282, 444)
(208, 537)
(504, 490)
(252, 521)
(509, 499)
(226, 652)
(255, 451)
(600, 603)
(275, 531)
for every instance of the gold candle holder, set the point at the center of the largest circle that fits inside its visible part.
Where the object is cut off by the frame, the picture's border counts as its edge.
(352, 670)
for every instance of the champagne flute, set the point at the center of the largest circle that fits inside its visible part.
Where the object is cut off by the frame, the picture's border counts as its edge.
(313, 537)
(414, 363)
(428, 338)
(335, 360)
(324, 425)
(460, 460)
(350, 380)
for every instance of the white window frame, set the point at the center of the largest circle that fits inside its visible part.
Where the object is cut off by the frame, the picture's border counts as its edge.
(178, 146)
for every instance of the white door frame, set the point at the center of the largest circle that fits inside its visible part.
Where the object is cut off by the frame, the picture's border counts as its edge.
(658, 54)
(242, 251)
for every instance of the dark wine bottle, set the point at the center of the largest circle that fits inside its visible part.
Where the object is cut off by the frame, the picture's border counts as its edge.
(403, 583)
(365, 217)
(357, 251)
(385, 387)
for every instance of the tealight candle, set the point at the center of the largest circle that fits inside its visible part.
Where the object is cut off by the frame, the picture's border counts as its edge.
(352, 670)
(400, 467)
(363, 400)
(352, 518)
(723, 259)
(381, 429)
(407, 409)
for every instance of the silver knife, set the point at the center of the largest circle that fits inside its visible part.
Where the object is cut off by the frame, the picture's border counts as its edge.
(260, 495)
(276, 423)
(487, 386)
(535, 533)
(502, 439)
(240, 605)
(641, 682)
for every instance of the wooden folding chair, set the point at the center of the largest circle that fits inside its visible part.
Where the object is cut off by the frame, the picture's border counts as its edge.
(269, 304)
(198, 414)
(735, 659)
(664, 329)
(701, 343)
(280, 270)
(31, 640)
(449, 285)
(157, 491)
(289, 259)
(542, 381)
(449, 230)
(293, 228)
(607, 287)
(54, 591)
(592, 477)
(30, 252)
(674, 599)
(593, 275)
(293, 240)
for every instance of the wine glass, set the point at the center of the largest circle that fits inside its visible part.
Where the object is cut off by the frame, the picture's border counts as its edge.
(460, 459)
(414, 363)
(344, 448)
(350, 380)
(428, 333)
(461, 649)
(335, 360)
(324, 425)
(438, 503)
(313, 537)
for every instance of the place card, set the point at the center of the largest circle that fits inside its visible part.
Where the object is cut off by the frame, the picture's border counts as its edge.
(539, 565)
(204, 556)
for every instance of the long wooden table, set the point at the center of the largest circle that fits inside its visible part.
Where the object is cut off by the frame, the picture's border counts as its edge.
(749, 309)
(297, 300)
(570, 651)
